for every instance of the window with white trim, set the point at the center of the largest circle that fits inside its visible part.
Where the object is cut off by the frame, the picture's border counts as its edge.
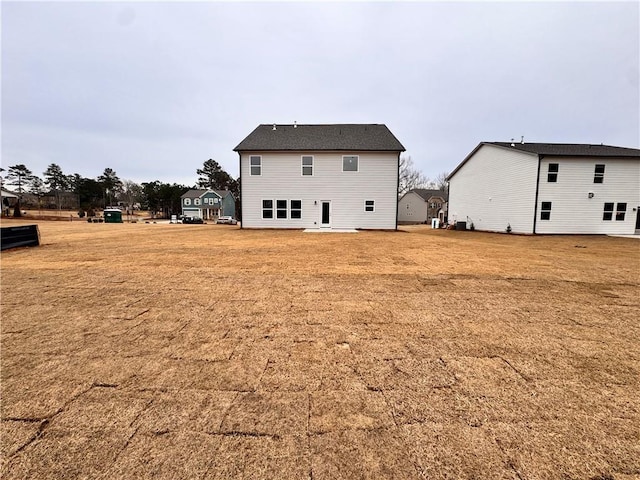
(598, 174)
(255, 161)
(369, 206)
(621, 209)
(350, 163)
(267, 208)
(296, 209)
(552, 174)
(187, 201)
(307, 165)
(281, 209)
(196, 201)
(545, 211)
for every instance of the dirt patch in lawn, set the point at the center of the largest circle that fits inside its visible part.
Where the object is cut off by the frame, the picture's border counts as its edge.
(206, 351)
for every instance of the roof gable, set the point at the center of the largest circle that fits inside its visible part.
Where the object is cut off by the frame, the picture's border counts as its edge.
(197, 193)
(346, 137)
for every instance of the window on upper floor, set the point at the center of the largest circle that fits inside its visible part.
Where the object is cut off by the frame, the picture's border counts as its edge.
(296, 209)
(256, 164)
(307, 165)
(598, 176)
(350, 163)
(187, 201)
(196, 201)
(267, 208)
(552, 174)
(369, 206)
(281, 209)
(545, 211)
(621, 209)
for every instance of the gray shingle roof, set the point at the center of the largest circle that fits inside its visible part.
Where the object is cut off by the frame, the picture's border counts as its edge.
(193, 193)
(571, 149)
(370, 137)
(426, 194)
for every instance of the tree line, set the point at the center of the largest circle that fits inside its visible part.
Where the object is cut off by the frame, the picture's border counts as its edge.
(161, 199)
(90, 194)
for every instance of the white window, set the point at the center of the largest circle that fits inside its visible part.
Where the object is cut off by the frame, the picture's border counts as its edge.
(369, 206)
(256, 164)
(598, 175)
(296, 209)
(307, 165)
(350, 163)
(281, 209)
(196, 201)
(267, 208)
(187, 201)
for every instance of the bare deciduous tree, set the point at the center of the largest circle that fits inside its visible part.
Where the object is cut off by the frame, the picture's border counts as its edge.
(441, 181)
(410, 177)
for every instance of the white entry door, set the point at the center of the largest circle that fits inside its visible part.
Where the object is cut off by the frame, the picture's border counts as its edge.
(325, 214)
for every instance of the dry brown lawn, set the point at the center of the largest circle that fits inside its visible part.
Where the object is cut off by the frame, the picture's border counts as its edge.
(200, 351)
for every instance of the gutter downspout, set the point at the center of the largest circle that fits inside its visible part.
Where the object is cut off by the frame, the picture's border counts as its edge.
(535, 207)
(240, 190)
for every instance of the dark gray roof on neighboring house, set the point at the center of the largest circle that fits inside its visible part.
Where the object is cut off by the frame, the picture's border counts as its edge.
(222, 193)
(193, 193)
(370, 137)
(560, 150)
(426, 194)
(571, 149)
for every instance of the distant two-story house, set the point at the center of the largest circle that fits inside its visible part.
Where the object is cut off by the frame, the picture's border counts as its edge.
(208, 204)
(341, 176)
(420, 205)
(547, 188)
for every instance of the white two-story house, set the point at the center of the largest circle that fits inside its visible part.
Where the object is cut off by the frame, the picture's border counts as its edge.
(342, 176)
(547, 188)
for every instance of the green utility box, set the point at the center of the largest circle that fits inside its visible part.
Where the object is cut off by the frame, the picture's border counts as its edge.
(112, 215)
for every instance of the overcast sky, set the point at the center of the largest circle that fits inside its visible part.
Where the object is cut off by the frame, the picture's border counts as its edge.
(152, 90)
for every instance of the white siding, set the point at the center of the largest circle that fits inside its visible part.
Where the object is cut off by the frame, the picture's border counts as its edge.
(412, 209)
(572, 211)
(282, 179)
(494, 188)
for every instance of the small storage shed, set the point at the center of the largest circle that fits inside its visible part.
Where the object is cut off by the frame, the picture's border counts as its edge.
(112, 215)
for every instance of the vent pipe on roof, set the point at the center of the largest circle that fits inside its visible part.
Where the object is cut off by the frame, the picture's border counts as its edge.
(295, 124)
(522, 139)
(274, 127)
(512, 144)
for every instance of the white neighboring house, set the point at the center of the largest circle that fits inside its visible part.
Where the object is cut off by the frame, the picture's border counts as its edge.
(341, 176)
(420, 205)
(547, 188)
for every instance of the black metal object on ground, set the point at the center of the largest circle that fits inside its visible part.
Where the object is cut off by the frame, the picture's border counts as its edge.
(21, 236)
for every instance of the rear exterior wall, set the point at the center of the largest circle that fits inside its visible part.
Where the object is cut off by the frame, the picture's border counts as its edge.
(574, 210)
(281, 179)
